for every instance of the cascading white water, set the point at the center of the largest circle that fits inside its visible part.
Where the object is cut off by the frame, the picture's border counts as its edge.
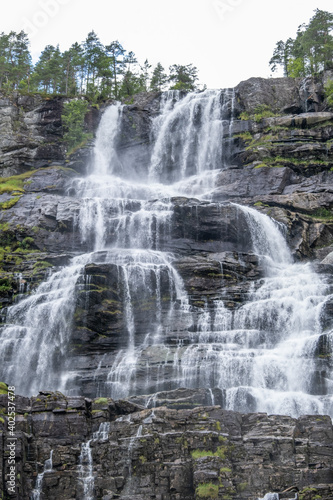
(197, 145)
(36, 492)
(34, 340)
(270, 496)
(261, 355)
(267, 240)
(86, 480)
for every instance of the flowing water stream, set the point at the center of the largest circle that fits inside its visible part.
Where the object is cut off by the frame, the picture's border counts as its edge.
(37, 491)
(261, 356)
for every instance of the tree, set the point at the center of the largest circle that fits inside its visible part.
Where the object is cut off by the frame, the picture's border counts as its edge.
(184, 77)
(297, 60)
(73, 68)
(132, 82)
(281, 55)
(93, 53)
(130, 85)
(312, 50)
(100, 72)
(73, 122)
(117, 53)
(318, 42)
(48, 69)
(105, 76)
(144, 76)
(15, 59)
(159, 78)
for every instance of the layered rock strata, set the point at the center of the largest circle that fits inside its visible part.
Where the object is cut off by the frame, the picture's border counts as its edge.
(186, 449)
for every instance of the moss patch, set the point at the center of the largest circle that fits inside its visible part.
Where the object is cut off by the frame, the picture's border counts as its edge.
(207, 490)
(15, 183)
(3, 388)
(220, 452)
(101, 401)
(9, 203)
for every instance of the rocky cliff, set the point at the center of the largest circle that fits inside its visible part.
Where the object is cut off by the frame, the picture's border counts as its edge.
(278, 158)
(179, 451)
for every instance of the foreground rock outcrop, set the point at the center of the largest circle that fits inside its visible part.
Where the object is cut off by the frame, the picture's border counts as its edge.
(183, 450)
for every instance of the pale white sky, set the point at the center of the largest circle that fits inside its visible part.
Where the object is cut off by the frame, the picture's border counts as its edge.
(228, 40)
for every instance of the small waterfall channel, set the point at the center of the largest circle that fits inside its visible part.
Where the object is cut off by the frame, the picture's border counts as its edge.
(36, 492)
(86, 480)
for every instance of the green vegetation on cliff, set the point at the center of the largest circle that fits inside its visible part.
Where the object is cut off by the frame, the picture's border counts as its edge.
(73, 122)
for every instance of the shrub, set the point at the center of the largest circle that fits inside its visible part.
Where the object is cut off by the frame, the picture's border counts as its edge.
(207, 490)
(3, 388)
(101, 401)
(73, 122)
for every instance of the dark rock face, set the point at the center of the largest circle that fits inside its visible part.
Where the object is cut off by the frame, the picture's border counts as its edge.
(286, 95)
(134, 143)
(31, 131)
(175, 451)
(209, 227)
(31, 134)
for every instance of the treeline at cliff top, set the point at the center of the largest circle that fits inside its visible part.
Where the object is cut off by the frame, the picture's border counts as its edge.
(111, 72)
(90, 68)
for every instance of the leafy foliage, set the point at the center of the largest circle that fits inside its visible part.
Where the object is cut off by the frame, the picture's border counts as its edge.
(90, 68)
(15, 60)
(73, 121)
(207, 490)
(159, 78)
(184, 77)
(310, 52)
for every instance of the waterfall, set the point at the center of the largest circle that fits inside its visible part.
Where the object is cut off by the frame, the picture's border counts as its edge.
(267, 240)
(261, 354)
(86, 480)
(36, 492)
(41, 325)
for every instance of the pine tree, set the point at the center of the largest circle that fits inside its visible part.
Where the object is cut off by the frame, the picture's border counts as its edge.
(281, 55)
(144, 76)
(184, 77)
(44, 69)
(73, 63)
(93, 52)
(310, 52)
(159, 78)
(317, 42)
(117, 53)
(15, 60)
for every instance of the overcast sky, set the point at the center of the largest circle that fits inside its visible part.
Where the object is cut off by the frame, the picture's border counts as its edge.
(228, 40)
